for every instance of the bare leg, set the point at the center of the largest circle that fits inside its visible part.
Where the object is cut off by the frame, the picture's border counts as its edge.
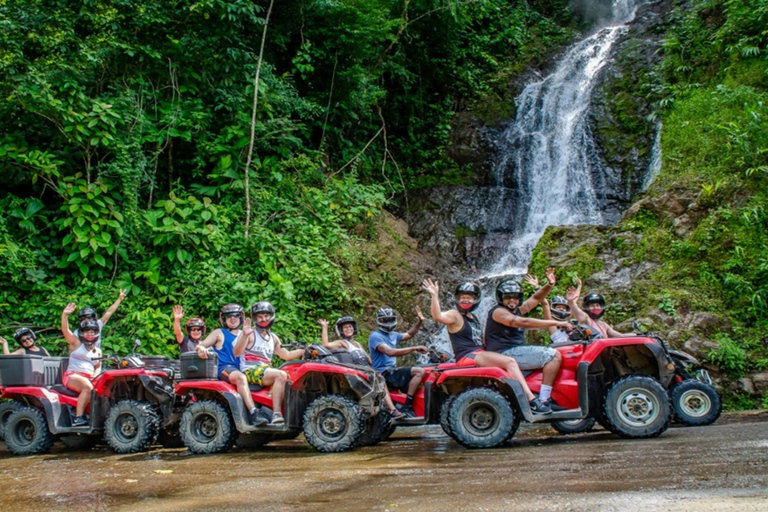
(238, 380)
(276, 379)
(494, 359)
(84, 387)
(388, 401)
(550, 370)
(417, 375)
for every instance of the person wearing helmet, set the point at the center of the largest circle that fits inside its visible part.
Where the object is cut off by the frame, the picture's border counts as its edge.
(261, 345)
(229, 342)
(83, 350)
(466, 335)
(505, 332)
(382, 344)
(592, 310)
(90, 313)
(27, 342)
(194, 330)
(557, 309)
(346, 330)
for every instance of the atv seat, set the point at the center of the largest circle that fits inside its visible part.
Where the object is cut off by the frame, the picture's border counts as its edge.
(255, 387)
(63, 390)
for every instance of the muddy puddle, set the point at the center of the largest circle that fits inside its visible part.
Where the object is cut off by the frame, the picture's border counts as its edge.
(720, 467)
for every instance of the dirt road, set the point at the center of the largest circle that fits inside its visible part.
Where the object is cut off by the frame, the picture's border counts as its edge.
(720, 467)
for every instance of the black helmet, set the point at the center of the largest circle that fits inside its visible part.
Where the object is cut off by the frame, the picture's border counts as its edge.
(594, 298)
(509, 287)
(263, 307)
(195, 322)
(24, 331)
(341, 322)
(467, 288)
(88, 325)
(231, 310)
(386, 319)
(87, 312)
(560, 300)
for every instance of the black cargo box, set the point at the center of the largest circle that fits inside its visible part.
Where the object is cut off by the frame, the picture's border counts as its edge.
(194, 368)
(156, 361)
(22, 370)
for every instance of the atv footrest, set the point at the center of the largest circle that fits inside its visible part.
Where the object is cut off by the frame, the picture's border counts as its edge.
(405, 422)
(570, 414)
(267, 429)
(84, 429)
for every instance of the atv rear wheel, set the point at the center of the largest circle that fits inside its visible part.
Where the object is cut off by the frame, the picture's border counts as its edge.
(207, 427)
(26, 432)
(445, 408)
(567, 427)
(482, 418)
(696, 403)
(79, 441)
(376, 429)
(637, 406)
(131, 426)
(6, 409)
(332, 423)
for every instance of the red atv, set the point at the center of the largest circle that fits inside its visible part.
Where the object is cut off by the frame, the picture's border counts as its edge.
(623, 383)
(330, 402)
(127, 404)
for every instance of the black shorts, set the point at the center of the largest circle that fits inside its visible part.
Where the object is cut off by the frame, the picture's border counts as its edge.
(226, 371)
(398, 378)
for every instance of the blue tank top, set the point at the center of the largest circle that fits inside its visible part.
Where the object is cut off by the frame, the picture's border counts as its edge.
(226, 352)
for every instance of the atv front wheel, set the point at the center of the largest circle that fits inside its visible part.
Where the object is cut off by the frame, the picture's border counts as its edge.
(696, 403)
(207, 427)
(6, 409)
(567, 427)
(131, 426)
(26, 432)
(376, 429)
(332, 423)
(637, 406)
(482, 418)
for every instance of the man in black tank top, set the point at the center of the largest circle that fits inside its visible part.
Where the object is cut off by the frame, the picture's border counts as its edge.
(466, 343)
(505, 331)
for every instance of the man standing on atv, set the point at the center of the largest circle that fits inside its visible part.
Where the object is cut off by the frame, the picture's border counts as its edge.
(505, 332)
(466, 335)
(594, 309)
(382, 344)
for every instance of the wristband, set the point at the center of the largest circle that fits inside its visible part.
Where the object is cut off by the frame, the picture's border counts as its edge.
(537, 289)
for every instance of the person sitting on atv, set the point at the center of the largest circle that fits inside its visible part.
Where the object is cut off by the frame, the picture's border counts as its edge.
(557, 308)
(346, 330)
(83, 349)
(27, 343)
(382, 344)
(260, 346)
(195, 330)
(89, 312)
(229, 343)
(505, 332)
(593, 310)
(466, 335)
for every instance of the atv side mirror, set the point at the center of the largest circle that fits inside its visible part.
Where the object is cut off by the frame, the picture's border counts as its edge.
(136, 343)
(636, 326)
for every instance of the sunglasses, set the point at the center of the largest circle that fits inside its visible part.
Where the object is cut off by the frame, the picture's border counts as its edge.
(506, 296)
(193, 329)
(25, 339)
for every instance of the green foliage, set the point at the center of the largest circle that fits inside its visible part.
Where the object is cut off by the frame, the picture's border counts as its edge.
(729, 356)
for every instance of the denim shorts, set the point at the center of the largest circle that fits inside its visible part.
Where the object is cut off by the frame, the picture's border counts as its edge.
(531, 357)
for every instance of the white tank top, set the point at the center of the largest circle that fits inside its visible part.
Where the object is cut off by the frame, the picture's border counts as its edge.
(81, 360)
(262, 348)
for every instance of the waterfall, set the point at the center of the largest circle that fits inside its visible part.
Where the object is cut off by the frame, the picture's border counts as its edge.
(548, 166)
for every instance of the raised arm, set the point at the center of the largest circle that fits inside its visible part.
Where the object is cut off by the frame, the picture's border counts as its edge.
(415, 329)
(433, 289)
(324, 336)
(572, 296)
(540, 295)
(111, 311)
(178, 314)
(68, 335)
(4, 343)
(547, 314)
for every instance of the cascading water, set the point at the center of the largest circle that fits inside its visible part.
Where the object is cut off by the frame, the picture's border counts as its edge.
(548, 154)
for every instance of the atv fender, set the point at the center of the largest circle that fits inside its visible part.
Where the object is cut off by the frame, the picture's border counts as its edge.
(685, 357)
